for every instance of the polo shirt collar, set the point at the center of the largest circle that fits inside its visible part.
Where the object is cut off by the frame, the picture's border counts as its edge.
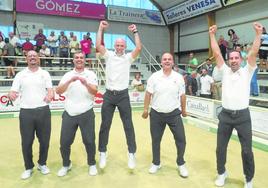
(123, 55)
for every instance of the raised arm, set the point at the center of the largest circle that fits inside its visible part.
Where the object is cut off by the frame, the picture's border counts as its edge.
(100, 47)
(256, 44)
(215, 47)
(137, 50)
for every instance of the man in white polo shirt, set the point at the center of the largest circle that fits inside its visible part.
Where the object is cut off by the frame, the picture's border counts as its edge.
(34, 87)
(117, 80)
(80, 87)
(235, 102)
(166, 92)
(206, 84)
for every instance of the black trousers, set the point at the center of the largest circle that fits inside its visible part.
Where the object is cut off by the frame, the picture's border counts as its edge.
(35, 121)
(241, 121)
(86, 123)
(158, 123)
(119, 99)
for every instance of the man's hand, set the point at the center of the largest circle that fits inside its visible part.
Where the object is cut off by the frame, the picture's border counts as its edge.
(104, 25)
(213, 29)
(145, 114)
(183, 113)
(258, 28)
(132, 28)
(83, 81)
(13, 95)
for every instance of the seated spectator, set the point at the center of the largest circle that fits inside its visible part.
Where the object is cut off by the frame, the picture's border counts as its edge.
(44, 54)
(206, 83)
(137, 83)
(27, 46)
(193, 63)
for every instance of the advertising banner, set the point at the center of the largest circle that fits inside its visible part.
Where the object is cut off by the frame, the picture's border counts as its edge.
(190, 9)
(202, 108)
(62, 8)
(135, 15)
(230, 2)
(6, 5)
(28, 29)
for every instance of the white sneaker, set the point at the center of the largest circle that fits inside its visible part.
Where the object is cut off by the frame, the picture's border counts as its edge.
(26, 174)
(131, 161)
(102, 162)
(64, 170)
(183, 171)
(248, 184)
(154, 168)
(93, 170)
(221, 179)
(43, 169)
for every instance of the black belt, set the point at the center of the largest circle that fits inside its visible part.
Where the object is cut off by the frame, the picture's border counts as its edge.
(234, 112)
(116, 92)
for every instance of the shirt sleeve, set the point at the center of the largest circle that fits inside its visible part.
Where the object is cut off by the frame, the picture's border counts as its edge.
(181, 86)
(150, 85)
(93, 79)
(16, 83)
(130, 58)
(48, 80)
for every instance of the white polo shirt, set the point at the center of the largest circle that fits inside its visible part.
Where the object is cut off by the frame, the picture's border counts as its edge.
(78, 100)
(32, 87)
(166, 91)
(117, 70)
(205, 82)
(236, 87)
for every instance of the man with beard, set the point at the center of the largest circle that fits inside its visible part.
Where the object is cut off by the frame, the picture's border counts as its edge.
(235, 102)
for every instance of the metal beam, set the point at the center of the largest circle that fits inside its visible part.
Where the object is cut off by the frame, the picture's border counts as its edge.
(157, 5)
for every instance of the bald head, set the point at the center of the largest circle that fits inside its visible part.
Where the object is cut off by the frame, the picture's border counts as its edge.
(120, 46)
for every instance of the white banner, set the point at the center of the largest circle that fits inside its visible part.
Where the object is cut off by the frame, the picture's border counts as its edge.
(135, 15)
(6, 5)
(190, 9)
(28, 29)
(200, 107)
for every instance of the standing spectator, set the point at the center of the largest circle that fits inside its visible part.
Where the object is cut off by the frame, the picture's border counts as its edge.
(117, 80)
(1, 35)
(74, 46)
(223, 44)
(192, 64)
(233, 40)
(166, 90)
(191, 84)
(86, 46)
(235, 101)
(209, 66)
(52, 44)
(40, 39)
(13, 39)
(64, 51)
(44, 53)
(71, 36)
(80, 86)
(9, 50)
(243, 54)
(263, 52)
(217, 86)
(27, 46)
(35, 89)
(60, 37)
(206, 83)
(2, 44)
